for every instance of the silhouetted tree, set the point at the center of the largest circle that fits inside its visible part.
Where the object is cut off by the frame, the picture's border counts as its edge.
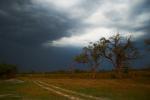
(147, 42)
(118, 51)
(91, 56)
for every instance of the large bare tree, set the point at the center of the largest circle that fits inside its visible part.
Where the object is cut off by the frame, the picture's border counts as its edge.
(118, 51)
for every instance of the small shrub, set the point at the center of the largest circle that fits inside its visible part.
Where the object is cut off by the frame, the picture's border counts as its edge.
(7, 71)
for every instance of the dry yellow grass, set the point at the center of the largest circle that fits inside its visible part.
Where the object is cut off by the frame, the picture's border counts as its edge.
(135, 87)
(30, 91)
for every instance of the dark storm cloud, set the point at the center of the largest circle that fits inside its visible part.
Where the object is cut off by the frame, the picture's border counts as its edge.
(36, 58)
(137, 18)
(134, 23)
(25, 26)
(25, 23)
(142, 8)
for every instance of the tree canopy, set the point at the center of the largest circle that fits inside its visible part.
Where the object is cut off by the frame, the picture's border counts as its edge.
(116, 49)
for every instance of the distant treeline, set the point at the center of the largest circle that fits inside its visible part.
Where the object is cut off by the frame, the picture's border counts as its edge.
(133, 74)
(80, 71)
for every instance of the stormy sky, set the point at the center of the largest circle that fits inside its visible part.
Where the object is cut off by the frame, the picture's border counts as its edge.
(44, 35)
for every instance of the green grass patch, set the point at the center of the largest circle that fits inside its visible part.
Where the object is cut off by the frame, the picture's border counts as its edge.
(114, 89)
(11, 90)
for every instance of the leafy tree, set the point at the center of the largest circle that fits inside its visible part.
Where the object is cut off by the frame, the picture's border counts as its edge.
(91, 56)
(118, 51)
(81, 58)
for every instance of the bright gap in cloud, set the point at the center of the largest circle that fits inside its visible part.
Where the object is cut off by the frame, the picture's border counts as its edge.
(91, 35)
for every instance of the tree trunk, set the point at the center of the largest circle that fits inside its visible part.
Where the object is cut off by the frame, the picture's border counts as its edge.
(119, 70)
(94, 68)
(93, 73)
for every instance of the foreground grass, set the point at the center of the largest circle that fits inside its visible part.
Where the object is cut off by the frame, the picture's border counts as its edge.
(135, 88)
(27, 90)
(8, 90)
(115, 89)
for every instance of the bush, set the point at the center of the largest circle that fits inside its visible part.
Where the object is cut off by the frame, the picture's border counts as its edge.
(7, 71)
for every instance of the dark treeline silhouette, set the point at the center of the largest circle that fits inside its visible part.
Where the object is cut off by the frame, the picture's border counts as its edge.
(117, 50)
(7, 71)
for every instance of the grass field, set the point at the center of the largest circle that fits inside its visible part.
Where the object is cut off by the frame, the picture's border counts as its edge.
(38, 87)
(26, 90)
(113, 89)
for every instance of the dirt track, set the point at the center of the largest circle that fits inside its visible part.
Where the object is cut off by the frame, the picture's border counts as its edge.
(71, 95)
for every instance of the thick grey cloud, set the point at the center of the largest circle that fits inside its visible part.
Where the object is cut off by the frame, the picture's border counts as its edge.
(27, 25)
(106, 17)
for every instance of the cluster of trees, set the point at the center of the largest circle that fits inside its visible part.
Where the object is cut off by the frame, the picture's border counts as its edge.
(7, 71)
(117, 50)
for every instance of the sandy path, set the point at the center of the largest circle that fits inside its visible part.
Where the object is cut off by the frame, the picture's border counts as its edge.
(73, 92)
(70, 97)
